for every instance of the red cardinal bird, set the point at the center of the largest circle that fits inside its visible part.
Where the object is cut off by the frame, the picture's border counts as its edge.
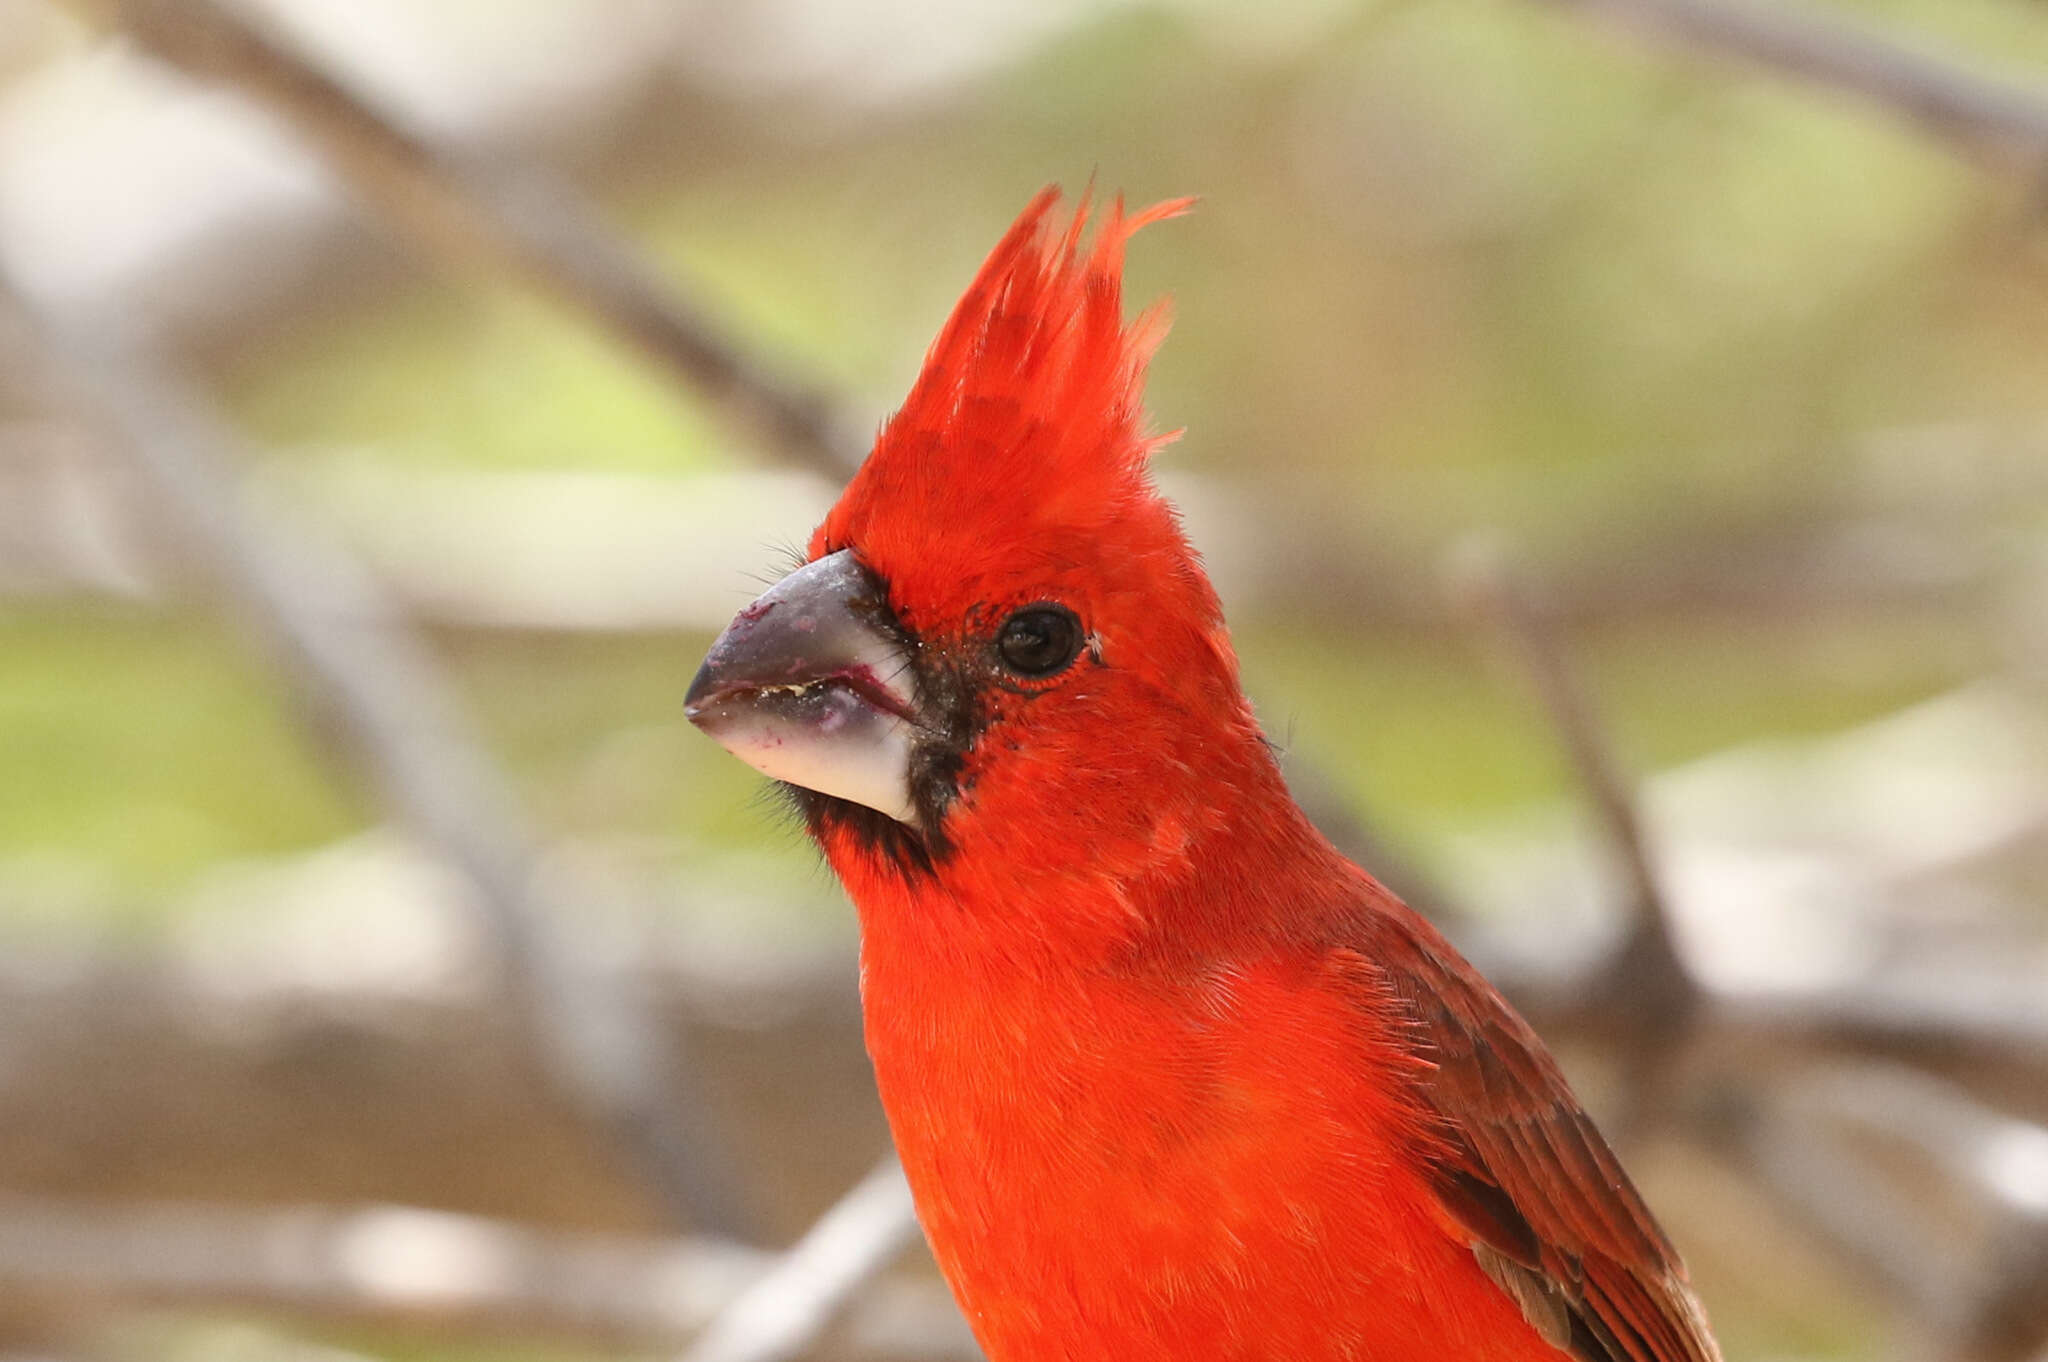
(1170, 1077)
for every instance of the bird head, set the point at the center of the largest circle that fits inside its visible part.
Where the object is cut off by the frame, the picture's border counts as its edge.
(1001, 629)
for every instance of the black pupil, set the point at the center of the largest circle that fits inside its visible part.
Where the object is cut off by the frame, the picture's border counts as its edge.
(1039, 641)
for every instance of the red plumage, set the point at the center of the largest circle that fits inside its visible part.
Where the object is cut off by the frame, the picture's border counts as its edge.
(1170, 1077)
(1020, 450)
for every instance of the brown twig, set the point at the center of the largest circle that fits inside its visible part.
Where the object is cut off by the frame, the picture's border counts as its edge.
(375, 699)
(1981, 111)
(464, 209)
(1645, 980)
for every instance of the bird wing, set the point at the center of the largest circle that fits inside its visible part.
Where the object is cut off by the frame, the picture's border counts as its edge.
(1527, 1179)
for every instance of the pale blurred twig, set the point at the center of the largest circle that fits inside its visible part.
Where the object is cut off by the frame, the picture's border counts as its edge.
(466, 210)
(1908, 1021)
(399, 1265)
(1998, 1312)
(1822, 47)
(1819, 1184)
(796, 1300)
(1991, 1306)
(382, 709)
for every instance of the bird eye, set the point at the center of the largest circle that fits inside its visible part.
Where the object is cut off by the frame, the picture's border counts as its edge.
(1039, 640)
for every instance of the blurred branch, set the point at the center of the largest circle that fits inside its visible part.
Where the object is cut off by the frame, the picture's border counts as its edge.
(1992, 1309)
(1999, 1312)
(383, 711)
(1819, 47)
(1834, 1195)
(464, 208)
(395, 1265)
(1644, 981)
(1958, 1018)
(2002, 1160)
(795, 1301)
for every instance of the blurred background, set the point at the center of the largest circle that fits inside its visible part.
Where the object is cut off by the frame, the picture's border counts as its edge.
(1618, 428)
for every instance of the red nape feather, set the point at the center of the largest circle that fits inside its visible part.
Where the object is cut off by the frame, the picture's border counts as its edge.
(1023, 440)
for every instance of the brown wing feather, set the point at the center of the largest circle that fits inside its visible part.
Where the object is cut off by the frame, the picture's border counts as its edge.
(1549, 1211)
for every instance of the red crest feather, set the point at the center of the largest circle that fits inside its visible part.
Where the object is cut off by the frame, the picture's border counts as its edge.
(1021, 449)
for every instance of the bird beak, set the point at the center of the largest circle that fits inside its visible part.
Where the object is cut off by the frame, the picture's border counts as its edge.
(808, 685)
